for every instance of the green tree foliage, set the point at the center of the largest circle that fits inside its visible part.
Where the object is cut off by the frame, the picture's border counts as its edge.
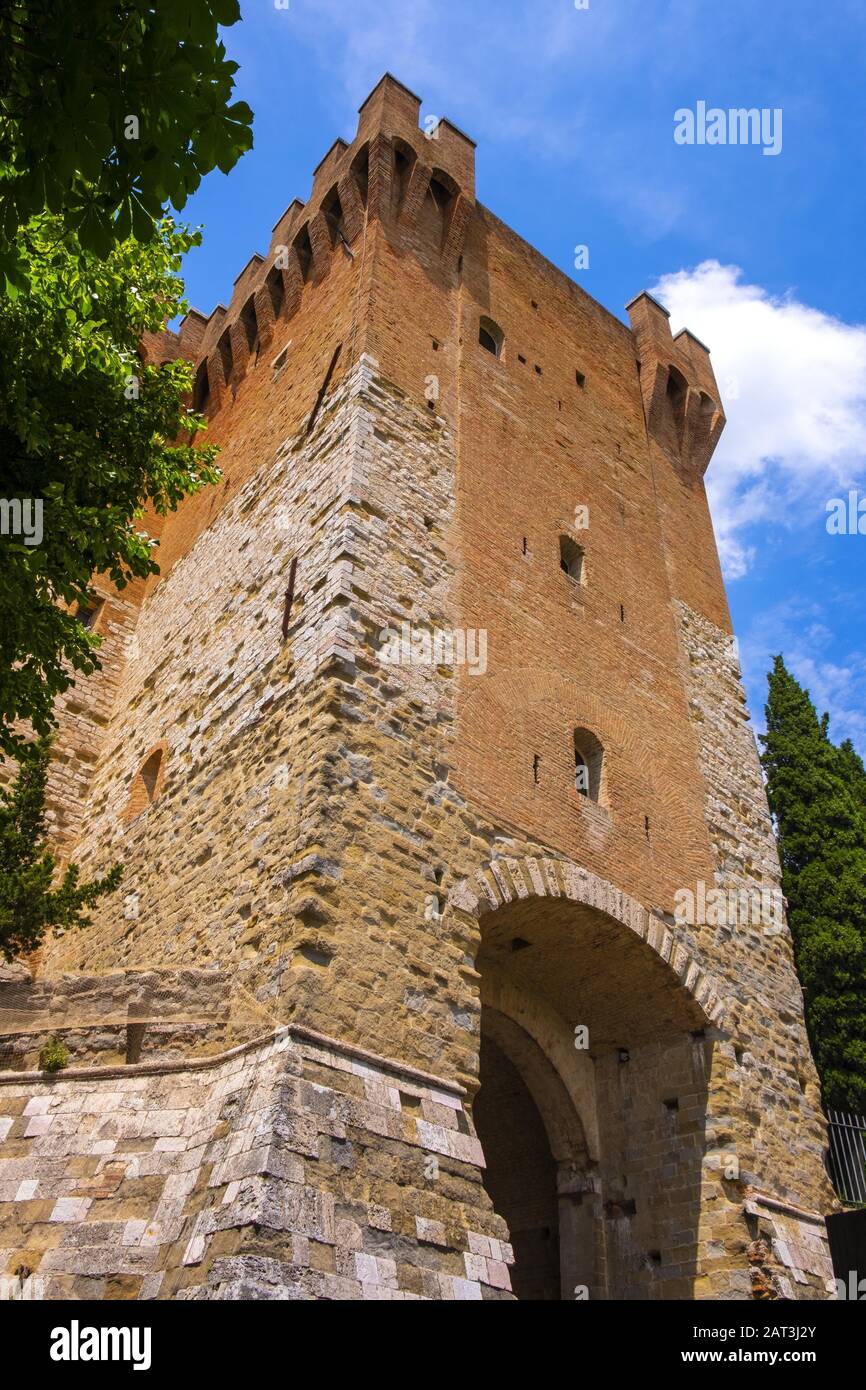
(110, 112)
(94, 436)
(817, 794)
(29, 906)
(853, 770)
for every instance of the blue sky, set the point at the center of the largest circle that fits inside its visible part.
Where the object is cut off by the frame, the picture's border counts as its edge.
(761, 256)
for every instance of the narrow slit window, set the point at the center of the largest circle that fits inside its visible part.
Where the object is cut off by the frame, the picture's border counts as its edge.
(224, 348)
(677, 393)
(250, 324)
(274, 287)
(201, 388)
(404, 159)
(304, 248)
(361, 172)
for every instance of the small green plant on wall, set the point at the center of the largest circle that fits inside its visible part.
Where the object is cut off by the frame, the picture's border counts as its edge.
(54, 1056)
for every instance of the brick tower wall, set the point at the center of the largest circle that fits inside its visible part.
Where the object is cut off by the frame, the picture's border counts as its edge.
(366, 848)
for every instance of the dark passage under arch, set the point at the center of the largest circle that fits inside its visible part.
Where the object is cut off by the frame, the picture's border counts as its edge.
(520, 1177)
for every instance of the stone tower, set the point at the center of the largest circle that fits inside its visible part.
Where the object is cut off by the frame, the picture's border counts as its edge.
(429, 728)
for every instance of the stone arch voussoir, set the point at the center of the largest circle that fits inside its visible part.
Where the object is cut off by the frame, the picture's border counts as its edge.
(504, 880)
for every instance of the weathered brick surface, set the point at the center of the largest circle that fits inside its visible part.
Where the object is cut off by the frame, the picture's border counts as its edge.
(395, 854)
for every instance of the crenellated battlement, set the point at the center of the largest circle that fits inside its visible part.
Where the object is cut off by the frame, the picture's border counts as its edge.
(386, 173)
(680, 395)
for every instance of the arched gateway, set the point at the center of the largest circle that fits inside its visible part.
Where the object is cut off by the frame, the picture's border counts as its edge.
(598, 1031)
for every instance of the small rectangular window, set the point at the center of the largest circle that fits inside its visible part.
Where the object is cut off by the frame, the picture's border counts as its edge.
(580, 378)
(571, 559)
(87, 614)
(588, 766)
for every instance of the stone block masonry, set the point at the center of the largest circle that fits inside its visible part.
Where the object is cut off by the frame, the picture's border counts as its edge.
(112, 1018)
(289, 1168)
(535, 1080)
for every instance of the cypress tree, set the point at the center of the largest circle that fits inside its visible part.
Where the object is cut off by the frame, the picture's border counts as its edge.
(853, 770)
(817, 795)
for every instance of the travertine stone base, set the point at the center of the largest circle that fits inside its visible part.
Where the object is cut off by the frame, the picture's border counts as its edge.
(290, 1168)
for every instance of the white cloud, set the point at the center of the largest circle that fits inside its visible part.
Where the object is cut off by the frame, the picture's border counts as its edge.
(793, 383)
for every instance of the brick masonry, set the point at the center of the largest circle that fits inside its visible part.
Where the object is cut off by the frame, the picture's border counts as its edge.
(392, 854)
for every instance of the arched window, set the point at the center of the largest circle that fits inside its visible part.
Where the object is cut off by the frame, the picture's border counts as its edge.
(490, 336)
(147, 783)
(404, 159)
(149, 774)
(571, 559)
(360, 171)
(442, 189)
(274, 287)
(224, 348)
(332, 210)
(581, 773)
(677, 392)
(201, 387)
(304, 248)
(249, 322)
(588, 765)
